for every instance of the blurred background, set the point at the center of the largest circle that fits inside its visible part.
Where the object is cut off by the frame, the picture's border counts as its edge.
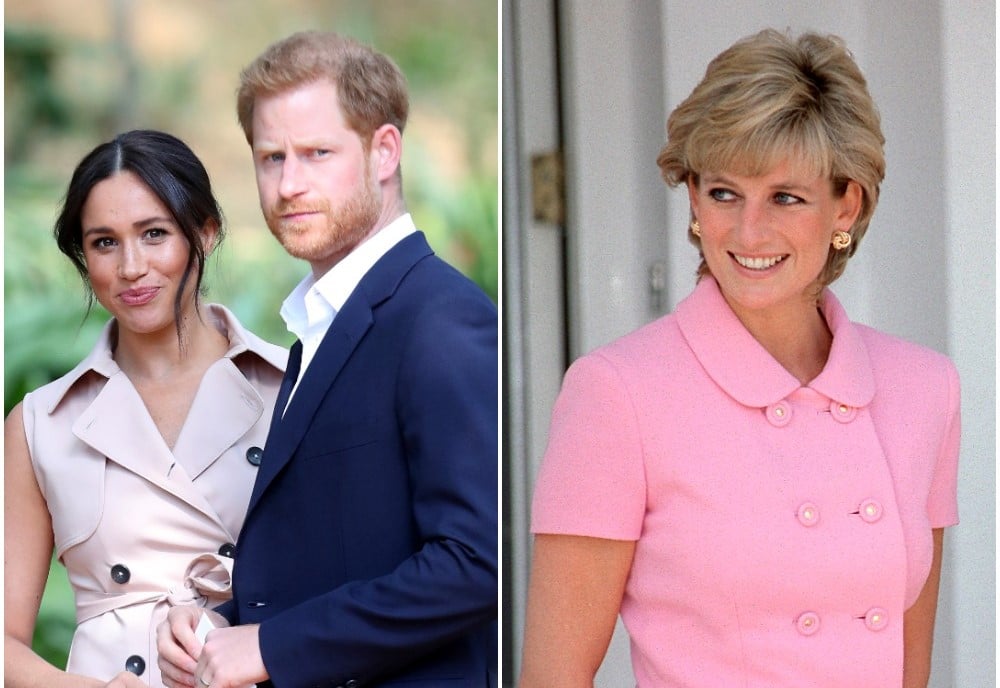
(75, 74)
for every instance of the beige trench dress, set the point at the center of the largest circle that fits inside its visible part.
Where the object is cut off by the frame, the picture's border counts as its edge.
(140, 527)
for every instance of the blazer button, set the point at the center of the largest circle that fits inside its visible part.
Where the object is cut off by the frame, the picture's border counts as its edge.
(228, 550)
(120, 574)
(779, 414)
(351, 684)
(876, 619)
(870, 511)
(254, 455)
(807, 623)
(808, 514)
(842, 412)
(135, 664)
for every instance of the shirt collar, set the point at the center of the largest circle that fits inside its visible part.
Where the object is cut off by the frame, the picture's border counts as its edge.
(748, 373)
(314, 300)
(101, 360)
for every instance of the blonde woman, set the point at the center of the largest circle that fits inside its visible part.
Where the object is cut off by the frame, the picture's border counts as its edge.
(757, 484)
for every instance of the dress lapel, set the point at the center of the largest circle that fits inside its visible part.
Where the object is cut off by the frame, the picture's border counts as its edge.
(118, 426)
(224, 409)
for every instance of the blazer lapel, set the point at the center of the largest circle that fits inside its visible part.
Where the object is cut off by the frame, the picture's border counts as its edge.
(287, 430)
(287, 383)
(346, 332)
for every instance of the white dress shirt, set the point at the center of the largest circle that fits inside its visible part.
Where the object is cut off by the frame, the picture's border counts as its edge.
(310, 309)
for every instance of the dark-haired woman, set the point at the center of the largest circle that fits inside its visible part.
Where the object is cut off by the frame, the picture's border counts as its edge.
(136, 466)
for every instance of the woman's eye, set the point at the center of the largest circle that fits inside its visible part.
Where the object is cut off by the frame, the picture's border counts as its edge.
(786, 199)
(156, 233)
(103, 242)
(721, 194)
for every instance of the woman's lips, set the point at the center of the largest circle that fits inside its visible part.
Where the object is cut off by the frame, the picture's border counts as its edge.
(139, 296)
(757, 262)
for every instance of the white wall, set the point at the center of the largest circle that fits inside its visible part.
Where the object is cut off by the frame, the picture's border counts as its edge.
(612, 98)
(969, 180)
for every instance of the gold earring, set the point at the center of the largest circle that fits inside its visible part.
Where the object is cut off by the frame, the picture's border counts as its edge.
(696, 228)
(841, 240)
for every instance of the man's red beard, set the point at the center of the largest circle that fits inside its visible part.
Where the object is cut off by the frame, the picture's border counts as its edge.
(344, 229)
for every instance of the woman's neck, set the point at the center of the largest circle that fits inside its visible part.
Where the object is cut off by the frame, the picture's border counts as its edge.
(163, 354)
(799, 339)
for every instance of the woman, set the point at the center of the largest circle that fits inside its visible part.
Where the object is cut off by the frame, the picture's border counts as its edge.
(758, 485)
(136, 466)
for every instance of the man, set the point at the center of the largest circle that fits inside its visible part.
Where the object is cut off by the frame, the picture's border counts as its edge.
(369, 551)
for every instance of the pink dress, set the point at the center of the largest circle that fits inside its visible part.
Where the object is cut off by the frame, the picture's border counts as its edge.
(140, 527)
(781, 531)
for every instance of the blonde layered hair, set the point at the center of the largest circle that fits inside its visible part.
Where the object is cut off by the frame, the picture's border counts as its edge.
(370, 87)
(770, 97)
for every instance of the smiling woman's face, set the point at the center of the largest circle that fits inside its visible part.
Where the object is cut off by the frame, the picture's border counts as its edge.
(766, 239)
(135, 253)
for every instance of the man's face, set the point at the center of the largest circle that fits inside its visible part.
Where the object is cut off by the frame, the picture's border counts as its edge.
(317, 191)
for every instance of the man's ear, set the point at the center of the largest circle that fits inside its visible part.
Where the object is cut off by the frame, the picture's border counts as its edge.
(385, 151)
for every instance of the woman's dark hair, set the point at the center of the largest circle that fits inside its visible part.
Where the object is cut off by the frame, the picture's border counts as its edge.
(171, 170)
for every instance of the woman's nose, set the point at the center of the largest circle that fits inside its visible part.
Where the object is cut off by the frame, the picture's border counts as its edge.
(753, 222)
(133, 263)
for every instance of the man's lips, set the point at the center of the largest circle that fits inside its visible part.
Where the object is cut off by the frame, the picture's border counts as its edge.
(296, 214)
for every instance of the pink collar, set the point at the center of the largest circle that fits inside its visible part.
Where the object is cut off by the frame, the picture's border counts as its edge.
(748, 373)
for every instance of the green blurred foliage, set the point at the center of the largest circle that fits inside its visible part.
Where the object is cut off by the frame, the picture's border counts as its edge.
(141, 63)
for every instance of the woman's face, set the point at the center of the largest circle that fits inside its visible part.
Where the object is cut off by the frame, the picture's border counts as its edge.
(135, 254)
(766, 239)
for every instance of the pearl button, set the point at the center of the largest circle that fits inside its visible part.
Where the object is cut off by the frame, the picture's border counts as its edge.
(870, 511)
(808, 514)
(779, 414)
(807, 623)
(876, 619)
(842, 412)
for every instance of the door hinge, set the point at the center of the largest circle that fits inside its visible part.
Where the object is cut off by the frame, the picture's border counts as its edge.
(547, 188)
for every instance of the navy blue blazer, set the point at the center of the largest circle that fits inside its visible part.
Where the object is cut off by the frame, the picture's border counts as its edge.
(369, 551)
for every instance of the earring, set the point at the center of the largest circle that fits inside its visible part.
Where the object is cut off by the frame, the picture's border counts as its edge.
(841, 240)
(696, 228)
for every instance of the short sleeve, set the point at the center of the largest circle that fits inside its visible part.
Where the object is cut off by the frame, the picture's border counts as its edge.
(942, 501)
(592, 479)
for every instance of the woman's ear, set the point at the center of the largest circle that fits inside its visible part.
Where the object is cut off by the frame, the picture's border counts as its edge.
(849, 206)
(692, 187)
(209, 234)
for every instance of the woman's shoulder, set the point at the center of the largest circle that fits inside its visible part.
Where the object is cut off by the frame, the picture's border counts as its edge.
(635, 362)
(640, 344)
(890, 351)
(906, 373)
(242, 341)
(84, 379)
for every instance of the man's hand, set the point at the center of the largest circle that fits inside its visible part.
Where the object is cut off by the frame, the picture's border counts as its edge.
(231, 658)
(179, 648)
